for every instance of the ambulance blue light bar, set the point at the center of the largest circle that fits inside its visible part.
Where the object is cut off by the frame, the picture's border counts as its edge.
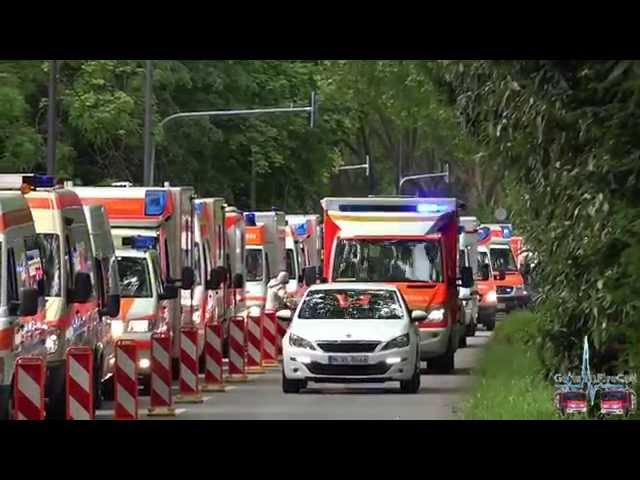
(141, 242)
(483, 233)
(199, 207)
(506, 231)
(155, 202)
(250, 219)
(41, 181)
(301, 229)
(430, 208)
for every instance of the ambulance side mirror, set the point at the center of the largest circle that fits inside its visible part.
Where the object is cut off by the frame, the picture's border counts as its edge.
(83, 288)
(29, 302)
(310, 276)
(112, 308)
(485, 274)
(238, 281)
(217, 277)
(466, 276)
(188, 278)
(170, 292)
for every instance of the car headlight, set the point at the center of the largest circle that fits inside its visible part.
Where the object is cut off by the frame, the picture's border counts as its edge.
(435, 315)
(492, 297)
(296, 341)
(52, 343)
(138, 326)
(398, 342)
(117, 328)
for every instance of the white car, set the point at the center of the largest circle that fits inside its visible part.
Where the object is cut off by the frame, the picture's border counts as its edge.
(351, 333)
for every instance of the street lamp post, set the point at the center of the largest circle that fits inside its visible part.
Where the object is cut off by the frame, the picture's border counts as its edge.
(52, 134)
(148, 116)
(311, 110)
(444, 174)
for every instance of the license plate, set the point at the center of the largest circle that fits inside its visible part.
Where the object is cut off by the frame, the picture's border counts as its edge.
(348, 360)
(502, 306)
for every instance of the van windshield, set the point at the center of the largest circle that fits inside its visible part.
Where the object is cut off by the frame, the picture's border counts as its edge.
(253, 261)
(50, 251)
(388, 261)
(134, 277)
(502, 259)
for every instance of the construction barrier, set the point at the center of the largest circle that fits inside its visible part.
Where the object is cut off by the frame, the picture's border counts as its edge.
(28, 388)
(126, 380)
(282, 330)
(213, 373)
(79, 382)
(254, 345)
(189, 366)
(269, 339)
(237, 350)
(160, 397)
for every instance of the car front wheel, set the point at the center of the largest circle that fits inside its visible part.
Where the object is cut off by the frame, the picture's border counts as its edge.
(292, 386)
(413, 384)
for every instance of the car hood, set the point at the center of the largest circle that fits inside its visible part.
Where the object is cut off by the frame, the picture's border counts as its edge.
(349, 330)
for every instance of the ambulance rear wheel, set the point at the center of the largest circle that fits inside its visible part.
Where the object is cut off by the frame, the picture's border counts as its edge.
(55, 391)
(490, 324)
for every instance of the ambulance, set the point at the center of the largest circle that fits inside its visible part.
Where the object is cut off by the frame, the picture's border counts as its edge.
(72, 310)
(235, 250)
(468, 257)
(308, 230)
(486, 286)
(510, 289)
(144, 219)
(107, 286)
(408, 242)
(23, 330)
(295, 262)
(265, 255)
(206, 300)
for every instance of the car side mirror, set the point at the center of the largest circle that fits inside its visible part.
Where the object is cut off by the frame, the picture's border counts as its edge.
(466, 276)
(485, 272)
(418, 316)
(284, 315)
(216, 278)
(83, 288)
(112, 309)
(310, 276)
(188, 278)
(238, 281)
(29, 302)
(170, 292)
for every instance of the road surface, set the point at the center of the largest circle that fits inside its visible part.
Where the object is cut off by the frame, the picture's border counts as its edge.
(261, 398)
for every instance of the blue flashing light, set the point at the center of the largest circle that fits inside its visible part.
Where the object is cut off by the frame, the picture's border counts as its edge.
(506, 231)
(250, 219)
(430, 208)
(155, 201)
(483, 233)
(199, 207)
(40, 181)
(140, 242)
(301, 229)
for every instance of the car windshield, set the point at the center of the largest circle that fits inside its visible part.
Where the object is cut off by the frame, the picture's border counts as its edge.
(291, 266)
(134, 277)
(502, 259)
(351, 305)
(50, 251)
(388, 261)
(253, 262)
(617, 395)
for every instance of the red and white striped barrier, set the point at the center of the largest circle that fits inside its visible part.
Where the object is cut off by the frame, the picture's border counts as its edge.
(237, 350)
(269, 339)
(213, 373)
(189, 366)
(126, 380)
(161, 399)
(79, 383)
(254, 345)
(282, 330)
(28, 388)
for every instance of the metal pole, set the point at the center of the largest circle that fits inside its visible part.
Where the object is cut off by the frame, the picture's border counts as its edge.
(253, 183)
(148, 116)
(52, 134)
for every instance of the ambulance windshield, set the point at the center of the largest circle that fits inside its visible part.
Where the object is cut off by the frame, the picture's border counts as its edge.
(50, 257)
(502, 259)
(291, 266)
(388, 261)
(253, 261)
(134, 277)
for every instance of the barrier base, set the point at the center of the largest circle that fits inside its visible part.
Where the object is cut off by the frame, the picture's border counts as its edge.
(237, 378)
(255, 370)
(215, 387)
(191, 398)
(270, 364)
(161, 412)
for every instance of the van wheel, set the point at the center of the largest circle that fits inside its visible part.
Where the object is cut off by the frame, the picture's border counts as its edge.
(471, 330)
(462, 343)
(490, 324)
(412, 385)
(292, 386)
(445, 363)
(56, 404)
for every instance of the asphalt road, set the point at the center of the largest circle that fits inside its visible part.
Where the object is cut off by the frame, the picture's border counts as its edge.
(261, 398)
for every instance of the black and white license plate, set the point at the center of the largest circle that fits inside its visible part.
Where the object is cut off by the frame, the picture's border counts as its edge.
(348, 360)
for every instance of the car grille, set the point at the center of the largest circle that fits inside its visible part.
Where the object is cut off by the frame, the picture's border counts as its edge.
(379, 368)
(348, 347)
(504, 290)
